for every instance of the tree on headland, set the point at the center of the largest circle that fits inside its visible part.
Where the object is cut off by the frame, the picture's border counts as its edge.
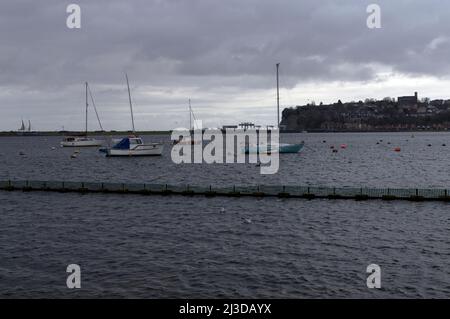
(372, 114)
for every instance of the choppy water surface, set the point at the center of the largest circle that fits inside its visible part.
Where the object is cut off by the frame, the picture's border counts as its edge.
(152, 246)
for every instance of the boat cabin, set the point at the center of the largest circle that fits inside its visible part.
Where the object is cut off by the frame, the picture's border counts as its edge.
(135, 140)
(75, 138)
(127, 142)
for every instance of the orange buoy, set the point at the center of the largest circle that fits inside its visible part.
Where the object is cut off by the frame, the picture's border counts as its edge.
(397, 149)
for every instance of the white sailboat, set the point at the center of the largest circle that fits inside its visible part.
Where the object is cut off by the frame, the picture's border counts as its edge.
(83, 141)
(26, 131)
(189, 140)
(22, 128)
(134, 145)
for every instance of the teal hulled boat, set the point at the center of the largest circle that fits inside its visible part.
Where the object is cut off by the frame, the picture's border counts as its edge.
(275, 148)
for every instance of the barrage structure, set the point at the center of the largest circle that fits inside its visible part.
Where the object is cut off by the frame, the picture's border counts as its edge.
(306, 192)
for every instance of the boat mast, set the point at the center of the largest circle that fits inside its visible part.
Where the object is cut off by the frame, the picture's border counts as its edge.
(190, 115)
(129, 98)
(278, 97)
(87, 104)
(95, 109)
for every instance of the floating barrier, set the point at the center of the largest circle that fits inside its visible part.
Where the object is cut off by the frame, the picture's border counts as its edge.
(308, 192)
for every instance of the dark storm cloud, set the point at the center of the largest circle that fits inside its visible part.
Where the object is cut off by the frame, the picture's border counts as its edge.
(208, 45)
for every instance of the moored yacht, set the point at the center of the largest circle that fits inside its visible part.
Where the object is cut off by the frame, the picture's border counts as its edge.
(83, 141)
(189, 140)
(133, 145)
(274, 147)
(80, 141)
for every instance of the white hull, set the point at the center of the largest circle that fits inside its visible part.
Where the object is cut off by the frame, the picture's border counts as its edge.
(154, 149)
(87, 143)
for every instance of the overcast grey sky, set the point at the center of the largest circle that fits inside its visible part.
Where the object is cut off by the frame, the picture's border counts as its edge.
(219, 53)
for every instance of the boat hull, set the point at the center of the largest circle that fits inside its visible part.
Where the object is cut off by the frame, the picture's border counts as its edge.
(140, 150)
(87, 143)
(281, 148)
(290, 148)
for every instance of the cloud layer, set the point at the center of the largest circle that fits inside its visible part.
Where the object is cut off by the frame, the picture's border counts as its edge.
(222, 54)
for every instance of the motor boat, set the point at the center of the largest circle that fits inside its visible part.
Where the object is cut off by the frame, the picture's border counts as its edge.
(135, 146)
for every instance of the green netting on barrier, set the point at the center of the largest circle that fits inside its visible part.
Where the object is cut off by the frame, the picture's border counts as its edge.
(37, 184)
(56, 185)
(373, 192)
(179, 188)
(246, 189)
(19, 184)
(321, 191)
(5, 184)
(92, 186)
(347, 192)
(135, 187)
(433, 193)
(272, 189)
(155, 187)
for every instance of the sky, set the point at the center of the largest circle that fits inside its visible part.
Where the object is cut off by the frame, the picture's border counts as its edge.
(221, 54)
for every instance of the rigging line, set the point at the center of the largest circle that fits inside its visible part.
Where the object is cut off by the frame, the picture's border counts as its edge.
(95, 108)
(131, 106)
(193, 115)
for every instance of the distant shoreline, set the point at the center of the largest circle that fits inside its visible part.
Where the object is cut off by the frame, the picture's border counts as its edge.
(113, 133)
(76, 133)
